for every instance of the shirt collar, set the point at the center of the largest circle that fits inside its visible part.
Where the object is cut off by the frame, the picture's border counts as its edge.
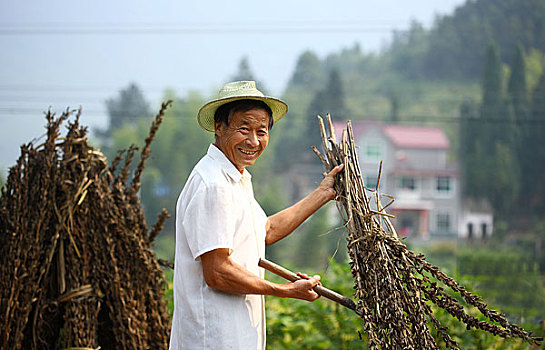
(215, 153)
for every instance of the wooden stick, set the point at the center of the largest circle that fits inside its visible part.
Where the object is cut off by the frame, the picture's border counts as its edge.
(321, 290)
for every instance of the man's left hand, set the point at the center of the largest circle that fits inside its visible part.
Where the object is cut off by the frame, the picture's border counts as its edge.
(329, 181)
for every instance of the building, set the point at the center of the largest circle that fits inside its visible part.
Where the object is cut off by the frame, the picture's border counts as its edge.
(476, 219)
(416, 171)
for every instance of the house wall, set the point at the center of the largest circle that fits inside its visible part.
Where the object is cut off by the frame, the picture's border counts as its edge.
(424, 159)
(370, 165)
(425, 165)
(477, 220)
(443, 207)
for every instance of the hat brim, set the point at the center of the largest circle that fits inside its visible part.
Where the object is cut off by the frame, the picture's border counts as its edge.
(205, 115)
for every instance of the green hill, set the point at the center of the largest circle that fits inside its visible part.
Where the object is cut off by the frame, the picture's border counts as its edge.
(425, 74)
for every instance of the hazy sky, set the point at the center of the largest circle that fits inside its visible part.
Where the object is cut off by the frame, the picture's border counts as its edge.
(60, 53)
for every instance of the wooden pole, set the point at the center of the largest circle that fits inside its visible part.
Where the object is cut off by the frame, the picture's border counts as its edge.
(321, 290)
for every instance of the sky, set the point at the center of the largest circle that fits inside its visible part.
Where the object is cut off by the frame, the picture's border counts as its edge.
(58, 53)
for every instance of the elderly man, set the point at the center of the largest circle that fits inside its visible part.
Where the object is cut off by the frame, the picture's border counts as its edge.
(221, 231)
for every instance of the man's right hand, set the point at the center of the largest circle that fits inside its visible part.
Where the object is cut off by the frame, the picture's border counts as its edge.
(222, 273)
(302, 289)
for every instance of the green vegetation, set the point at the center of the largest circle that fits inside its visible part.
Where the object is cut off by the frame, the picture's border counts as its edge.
(326, 325)
(504, 280)
(180, 143)
(478, 73)
(319, 325)
(508, 279)
(500, 151)
(2, 179)
(454, 47)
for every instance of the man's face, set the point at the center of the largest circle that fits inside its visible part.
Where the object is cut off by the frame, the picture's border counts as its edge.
(245, 138)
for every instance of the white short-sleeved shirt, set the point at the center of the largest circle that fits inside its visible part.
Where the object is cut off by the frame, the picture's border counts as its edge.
(217, 209)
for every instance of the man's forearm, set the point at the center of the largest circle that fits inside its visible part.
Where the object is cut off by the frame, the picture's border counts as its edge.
(222, 273)
(283, 223)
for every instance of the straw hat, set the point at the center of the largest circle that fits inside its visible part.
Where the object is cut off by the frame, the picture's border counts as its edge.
(239, 90)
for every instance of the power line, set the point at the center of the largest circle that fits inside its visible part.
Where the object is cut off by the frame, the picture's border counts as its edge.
(404, 120)
(92, 98)
(248, 22)
(90, 88)
(198, 28)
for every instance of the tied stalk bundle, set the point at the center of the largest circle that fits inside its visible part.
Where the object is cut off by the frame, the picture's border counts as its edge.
(394, 286)
(76, 265)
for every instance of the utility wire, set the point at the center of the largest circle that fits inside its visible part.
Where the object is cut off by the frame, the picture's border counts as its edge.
(4, 112)
(198, 28)
(95, 98)
(248, 22)
(68, 88)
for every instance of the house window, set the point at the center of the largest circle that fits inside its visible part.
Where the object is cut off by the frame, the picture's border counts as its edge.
(372, 151)
(408, 183)
(444, 185)
(371, 182)
(443, 222)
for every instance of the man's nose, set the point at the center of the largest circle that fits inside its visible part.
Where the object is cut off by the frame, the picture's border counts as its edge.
(252, 139)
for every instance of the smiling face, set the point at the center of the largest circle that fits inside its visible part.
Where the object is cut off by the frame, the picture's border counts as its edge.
(245, 138)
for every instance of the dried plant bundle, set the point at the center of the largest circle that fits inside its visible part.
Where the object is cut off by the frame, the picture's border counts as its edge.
(77, 269)
(394, 286)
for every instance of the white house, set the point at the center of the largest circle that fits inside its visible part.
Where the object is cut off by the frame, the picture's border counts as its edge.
(477, 219)
(418, 174)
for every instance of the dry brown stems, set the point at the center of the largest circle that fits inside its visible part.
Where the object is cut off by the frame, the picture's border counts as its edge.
(77, 269)
(395, 287)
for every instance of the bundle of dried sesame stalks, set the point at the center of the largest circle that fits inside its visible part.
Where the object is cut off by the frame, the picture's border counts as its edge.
(76, 266)
(394, 286)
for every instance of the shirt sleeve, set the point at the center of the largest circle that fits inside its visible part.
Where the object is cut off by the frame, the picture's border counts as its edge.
(209, 220)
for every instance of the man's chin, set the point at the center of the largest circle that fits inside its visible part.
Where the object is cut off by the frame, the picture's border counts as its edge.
(248, 163)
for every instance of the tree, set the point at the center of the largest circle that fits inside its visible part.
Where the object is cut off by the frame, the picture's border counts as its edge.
(244, 73)
(493, 112)
(393, 97)
(127, 108)
(517, 87)
(505, 179)
(179, 144)
(488, 143)
(455, 41)
(124, 110)
(492, 84)
(534, 176)
(498, 138)
(330, 99)
(470, 153)
(308, 73)
(519, 100)
(535, 66)
(408, 47)
(286, 138)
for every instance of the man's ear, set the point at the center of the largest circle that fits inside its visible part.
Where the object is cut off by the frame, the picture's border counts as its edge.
(218, 128)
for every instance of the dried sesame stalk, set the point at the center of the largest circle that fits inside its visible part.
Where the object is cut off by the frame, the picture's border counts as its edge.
(76, 265)
(394, 286)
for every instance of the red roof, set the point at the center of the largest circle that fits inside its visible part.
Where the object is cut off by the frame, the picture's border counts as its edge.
(402, 136)
(416, 137)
